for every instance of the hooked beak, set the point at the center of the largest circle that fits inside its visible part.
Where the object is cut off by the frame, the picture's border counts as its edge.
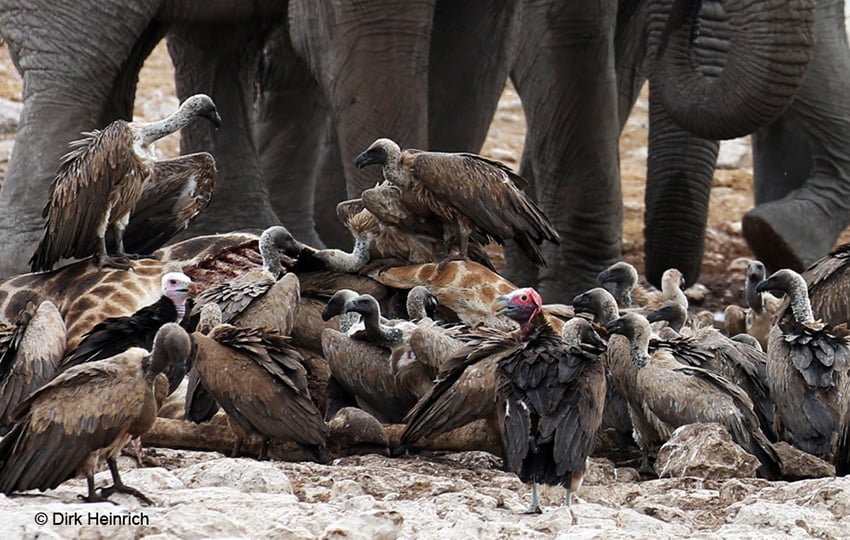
(371, 157)
(500, 305)
(614, 327)
(763, 286)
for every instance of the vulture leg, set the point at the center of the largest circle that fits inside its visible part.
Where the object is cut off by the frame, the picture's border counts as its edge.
(118, 229)
(93, 496)
(105, 261)
(237, 448)
(264, 450)
(118, 485)
(134, 448)
(535, 501)
(645, 465)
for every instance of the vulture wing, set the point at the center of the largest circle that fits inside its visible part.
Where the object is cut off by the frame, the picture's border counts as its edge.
(89, 181)
(829, 286)
(179, 190)
(78, 412)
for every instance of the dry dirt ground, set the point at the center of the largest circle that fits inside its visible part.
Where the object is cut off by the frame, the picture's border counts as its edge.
(461, 495)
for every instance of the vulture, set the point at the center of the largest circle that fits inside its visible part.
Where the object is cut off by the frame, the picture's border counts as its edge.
(664, 394)
(375, 364)
(30, 352)
(739, 362)
(550, 395)
(829, 286)
(763, 306)
(807, 369)
(99, 183)
(259, 296)
(117, 334)
(261, 382)
(87, 413)
(467, 193)
(621, 280)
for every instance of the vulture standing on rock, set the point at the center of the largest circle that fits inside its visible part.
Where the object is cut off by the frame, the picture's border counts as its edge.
(100, 181)
(87, 413)
(469, 194)
(663, 395)
(807, 368)
(117, 334)
(260, 381)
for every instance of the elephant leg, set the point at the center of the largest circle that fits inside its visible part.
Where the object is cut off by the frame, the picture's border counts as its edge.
(782, 160)
(803, 226)
(221, 60)
(518, 268)
(565, 75)
(58, 47)
(290, 119)
(371, 61)
(630, 55)
(330, 190)
(472, 49)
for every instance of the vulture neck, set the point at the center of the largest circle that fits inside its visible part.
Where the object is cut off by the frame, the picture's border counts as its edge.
(606, 310)
(672, 293)
(347, 321)
(801, 307)
(528, 329)
(348, 263)
(375, 331)
(639, 346)
(415, 307)
(153, 131)
(393, 168)
(271, 259)
(754, 298)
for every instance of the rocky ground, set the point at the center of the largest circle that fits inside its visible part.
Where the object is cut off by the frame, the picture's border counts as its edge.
(460, 495)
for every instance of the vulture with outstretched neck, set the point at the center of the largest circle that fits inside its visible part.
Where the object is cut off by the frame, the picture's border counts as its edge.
(99, 183)
(807, 368)
(87, 413)
(664, 394)
(467, 193)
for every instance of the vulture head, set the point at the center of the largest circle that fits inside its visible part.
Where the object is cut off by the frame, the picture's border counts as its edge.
(176, 286)
(756, 273)
(364, 304)
(336, 305)
(210, 318)
(421, 303)
(277, 244)
(202, 105)
(782, 281)
(673, 279)
(171, 346)
(521, 305)
(618, 279)
(636, 329)
(673, 312)
(598, 302)
(577, 331)
(380, 152)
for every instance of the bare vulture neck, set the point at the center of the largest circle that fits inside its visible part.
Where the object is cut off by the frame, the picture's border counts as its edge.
(801, 307)
(393, 168)
(640, 345)
(153, 131)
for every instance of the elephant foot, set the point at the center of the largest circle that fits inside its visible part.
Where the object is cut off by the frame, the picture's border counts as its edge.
(789, 233)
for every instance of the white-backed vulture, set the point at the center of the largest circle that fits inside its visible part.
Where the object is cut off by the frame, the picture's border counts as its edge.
(99, 183)
(663, 394)
(31, 351)
(829, 286)
(467, 193)
(763, 306)
(243, 300)
(261, 382)
(807, 369)
(621, 280)
(87, 413)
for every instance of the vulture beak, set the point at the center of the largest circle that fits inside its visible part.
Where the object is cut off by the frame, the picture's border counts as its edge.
(654, 315)
(213, 117)
(603, 277)
(501, 305)
(371, 156)
(614, 327)
(765, 285)
(329, 312)
(595, 339)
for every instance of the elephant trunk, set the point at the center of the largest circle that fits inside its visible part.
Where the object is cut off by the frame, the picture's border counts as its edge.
(769, 48)
(680, 168)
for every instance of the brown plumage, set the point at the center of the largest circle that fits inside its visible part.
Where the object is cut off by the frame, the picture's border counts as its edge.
(179, 190)
(829, 286)
(84, 414)
(663, 394)
(99, 183)
(235, 296)
(807, 368)
(31, 351)
(260, 381)
(467, 193)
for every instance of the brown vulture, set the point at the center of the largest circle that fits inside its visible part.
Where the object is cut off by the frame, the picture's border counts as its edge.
(87, 413)
(99, 183)
(469, 194)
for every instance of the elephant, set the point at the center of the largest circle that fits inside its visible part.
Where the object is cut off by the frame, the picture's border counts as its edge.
(578, 75)
(333, 76)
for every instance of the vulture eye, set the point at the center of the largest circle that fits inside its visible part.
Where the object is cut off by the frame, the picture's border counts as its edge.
(524, 298)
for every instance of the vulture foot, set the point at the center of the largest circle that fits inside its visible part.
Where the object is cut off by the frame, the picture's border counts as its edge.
(121, 488)
(93, 496)
(105, 261)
